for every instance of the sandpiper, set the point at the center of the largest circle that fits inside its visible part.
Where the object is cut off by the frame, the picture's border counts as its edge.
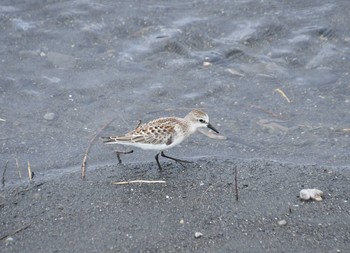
(163, 133)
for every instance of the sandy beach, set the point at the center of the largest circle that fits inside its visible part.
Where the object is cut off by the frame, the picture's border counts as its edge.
(273, 76)
(94, 215)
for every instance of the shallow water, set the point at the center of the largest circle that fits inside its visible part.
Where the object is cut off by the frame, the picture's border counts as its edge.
(88, 62)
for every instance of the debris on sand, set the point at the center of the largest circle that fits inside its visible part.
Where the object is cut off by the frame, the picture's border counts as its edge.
(49, 116)
(198, 235)
(282, 222)
(313, 194)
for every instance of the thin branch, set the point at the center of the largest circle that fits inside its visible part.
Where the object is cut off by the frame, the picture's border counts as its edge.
(15, 232)
(19, 171)
(3, 174)
(83, 165)
(139, 181)
(281, 92)
(30, 173)
(236, 184)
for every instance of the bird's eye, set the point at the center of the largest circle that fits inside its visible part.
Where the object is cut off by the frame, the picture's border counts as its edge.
(201, 121)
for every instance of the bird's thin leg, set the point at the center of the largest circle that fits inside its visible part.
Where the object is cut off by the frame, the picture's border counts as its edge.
(157, 159)
(175, 159)
(123, 153)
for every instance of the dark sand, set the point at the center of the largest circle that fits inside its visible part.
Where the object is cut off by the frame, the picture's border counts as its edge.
(272, 75)
(72, 215)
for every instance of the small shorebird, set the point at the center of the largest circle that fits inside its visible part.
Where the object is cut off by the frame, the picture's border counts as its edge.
(163, 133)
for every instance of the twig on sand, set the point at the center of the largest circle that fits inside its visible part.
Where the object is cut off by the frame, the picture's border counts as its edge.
(83, 165)
(19, 171)
(281, 92)
(15, 232)
(236, 184)
(3, 174)
(140, 181)
(30, 174)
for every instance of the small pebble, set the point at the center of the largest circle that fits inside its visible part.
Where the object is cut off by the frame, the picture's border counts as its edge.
(9, 240)
(206, 64)
(49, 116)
(282, 222)
(198, 235)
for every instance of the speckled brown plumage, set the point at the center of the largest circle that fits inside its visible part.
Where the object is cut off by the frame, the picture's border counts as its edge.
(163, 133)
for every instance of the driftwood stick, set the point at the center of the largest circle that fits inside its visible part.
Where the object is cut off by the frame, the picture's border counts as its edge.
(281, 92)
(140, 181)
(19, 171)
(30, 173)
(83, 165)
(3, 174)
(15, 232)
(236, 184)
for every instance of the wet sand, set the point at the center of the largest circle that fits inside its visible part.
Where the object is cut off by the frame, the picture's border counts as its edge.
(94, 215)
(273, 77)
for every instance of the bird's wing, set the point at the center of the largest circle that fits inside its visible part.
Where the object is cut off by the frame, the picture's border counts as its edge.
(160, 131)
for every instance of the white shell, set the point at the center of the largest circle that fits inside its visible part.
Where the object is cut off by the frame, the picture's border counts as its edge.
(198, 235)
(314, 194)
(282, 222)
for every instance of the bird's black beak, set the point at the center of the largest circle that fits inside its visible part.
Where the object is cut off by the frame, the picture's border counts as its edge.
(212, 128)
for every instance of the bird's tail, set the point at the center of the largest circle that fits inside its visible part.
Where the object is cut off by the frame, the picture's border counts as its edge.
(115, 139)
(109, 139)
